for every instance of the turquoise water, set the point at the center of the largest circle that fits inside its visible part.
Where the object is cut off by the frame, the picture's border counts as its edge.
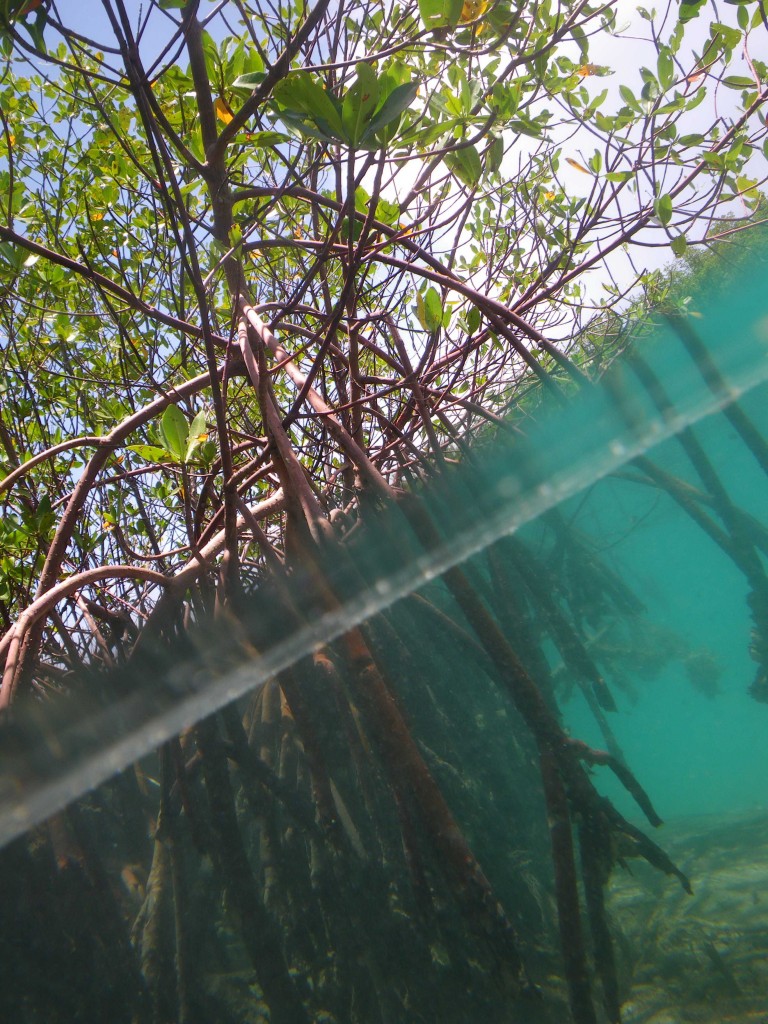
(697, 753)
(375, 812)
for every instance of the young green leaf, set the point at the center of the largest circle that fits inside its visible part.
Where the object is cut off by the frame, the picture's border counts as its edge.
(173, 432)
(662, 207)
(198, 432)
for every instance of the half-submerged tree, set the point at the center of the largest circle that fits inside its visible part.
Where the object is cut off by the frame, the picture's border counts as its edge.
(263, 269)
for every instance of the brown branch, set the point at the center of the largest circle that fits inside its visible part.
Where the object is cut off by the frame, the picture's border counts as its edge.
(11, 645)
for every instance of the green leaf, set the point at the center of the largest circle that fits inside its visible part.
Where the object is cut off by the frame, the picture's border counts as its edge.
(524, 126)
(45, 517)
(748, 189)
(299, 126)
(302, 97)
(250, 81)
(173, 432)
(473, 319)
(629, 97)
(429, 309)
(506, 97)
(725, 36)
(697, 98)
(198, 432)
(359, 103)
(439, 14)
(401, 97)
(387, 212)
(206, 453)
(715, 160)
(605, 124)
(689, 9)
(665, 67)
(149, 452)
(266, 140)
(735, 151)
(679, 245)
(738, 82)
(595, 103)
(396, 74)
(494, 155)
(465, 164)
(36, 27)
(663, 208)
(651, 87)
(580, 38)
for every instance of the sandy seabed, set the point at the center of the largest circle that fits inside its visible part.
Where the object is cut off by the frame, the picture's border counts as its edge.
(700, 959)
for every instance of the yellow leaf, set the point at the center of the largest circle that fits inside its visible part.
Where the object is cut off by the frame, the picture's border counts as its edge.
(577, 166)
(11, 140)
(223, 111)
(472, 10)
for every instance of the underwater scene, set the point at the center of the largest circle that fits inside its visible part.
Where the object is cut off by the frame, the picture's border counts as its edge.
(499, 754)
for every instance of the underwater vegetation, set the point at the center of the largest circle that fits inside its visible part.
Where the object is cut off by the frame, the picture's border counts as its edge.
(703, 958)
